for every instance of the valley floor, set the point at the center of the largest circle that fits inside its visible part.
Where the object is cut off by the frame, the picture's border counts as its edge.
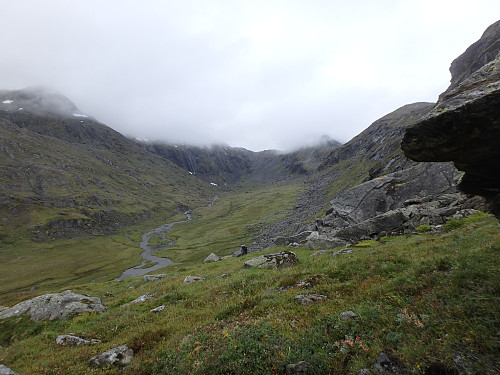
(428, 300)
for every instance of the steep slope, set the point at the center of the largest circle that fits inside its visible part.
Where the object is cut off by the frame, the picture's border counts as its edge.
(64, 175)
(225, 165)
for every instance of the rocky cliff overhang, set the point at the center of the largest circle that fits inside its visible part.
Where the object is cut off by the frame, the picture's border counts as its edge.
(464, 127)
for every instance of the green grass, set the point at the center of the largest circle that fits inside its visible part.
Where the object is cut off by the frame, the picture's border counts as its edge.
(426, 297)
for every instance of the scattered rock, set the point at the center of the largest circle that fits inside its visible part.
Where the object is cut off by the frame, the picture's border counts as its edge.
(141, 299)
(71, 340)
(192, 279)
(301, 367)
(348, 315)
(2, 308)
(154, 277)
(385, 364)
(211, 258)
(316, 241)
(4, 370)
(158, 309)
(223, 276)
(243, 250)
(363, 371)
(55, 306)
(120, 356)
(308, 299)
(279, 260)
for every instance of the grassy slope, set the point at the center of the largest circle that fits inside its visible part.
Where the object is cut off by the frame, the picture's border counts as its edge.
(425, 297)
(221, 228)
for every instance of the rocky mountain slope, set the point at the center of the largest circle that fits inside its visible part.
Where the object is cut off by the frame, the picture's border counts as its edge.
(64, 174)
(225, 165)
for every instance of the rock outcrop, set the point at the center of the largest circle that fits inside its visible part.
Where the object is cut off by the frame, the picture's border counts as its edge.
(119, 356)
(283, 259)
(464, 126)
(56, 306)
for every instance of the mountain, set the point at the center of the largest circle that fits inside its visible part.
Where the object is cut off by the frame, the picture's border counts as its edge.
(225, 165)
(64, 174)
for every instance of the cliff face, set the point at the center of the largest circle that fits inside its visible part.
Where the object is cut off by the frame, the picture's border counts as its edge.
(464, 126)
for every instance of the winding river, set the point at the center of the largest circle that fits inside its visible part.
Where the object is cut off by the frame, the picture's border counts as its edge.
(147, 251)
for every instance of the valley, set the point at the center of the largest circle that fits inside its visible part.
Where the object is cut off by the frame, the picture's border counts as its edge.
(377, 256)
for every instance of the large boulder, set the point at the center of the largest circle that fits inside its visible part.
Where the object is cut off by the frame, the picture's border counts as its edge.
(119, 356)
(425, 181)
(464, 126)
(279, 260)
(4, 370)
(56, 306)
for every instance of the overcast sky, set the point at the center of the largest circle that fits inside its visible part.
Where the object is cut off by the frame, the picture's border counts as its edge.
(258, 74)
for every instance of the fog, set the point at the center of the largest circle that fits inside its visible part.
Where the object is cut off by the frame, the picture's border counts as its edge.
(260, 75)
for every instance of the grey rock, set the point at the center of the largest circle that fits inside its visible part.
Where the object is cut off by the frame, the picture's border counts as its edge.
(192, 279)
(363, 371)
(56, 306)
(158, 309)
(156, 277)
(243, 250)
(463, 127)
(301, 367)
(279, 260)
(119, 356)
(299, 238)
(4, 370)
(308, 299)
(223, 276)
(2, 308)
(348, 315)
(317, 241)
(211, 258)
(141, 299)
(71, 340)
(385, 365)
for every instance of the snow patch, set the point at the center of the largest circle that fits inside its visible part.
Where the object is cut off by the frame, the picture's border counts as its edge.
(7, 101)
(20, 109)
(79, 115)
(190, 172)
(213, 183)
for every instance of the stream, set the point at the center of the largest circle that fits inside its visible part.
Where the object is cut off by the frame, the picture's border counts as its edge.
(147, 251)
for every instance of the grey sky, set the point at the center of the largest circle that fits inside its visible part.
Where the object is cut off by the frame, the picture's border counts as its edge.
(258, 74)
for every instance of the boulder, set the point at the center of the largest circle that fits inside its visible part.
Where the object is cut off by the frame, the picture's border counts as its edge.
(243, 250)
(279, 260)
(156, 277)
(158, 309)
(71, 340)
(425, 181)
(317, 241)
(308, 299)
(211, 258)
(119, 356)
(56, 306)
(141, 299)
(348, 315)
(192, 279)
(464, 126)
(4, 370)
(387, 365)
(301, 367)
(299, 238)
